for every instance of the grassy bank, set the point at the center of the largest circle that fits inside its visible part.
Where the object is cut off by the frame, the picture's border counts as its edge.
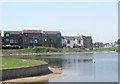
(52, 51)
(107, 49)
(33, 50)
(40, 50)
(7, 63)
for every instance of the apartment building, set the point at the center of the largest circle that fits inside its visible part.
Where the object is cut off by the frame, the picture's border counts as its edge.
(52, 39)
(72, 41)
(13, 38)
(77, 41)
(88, 42)
(32, 38)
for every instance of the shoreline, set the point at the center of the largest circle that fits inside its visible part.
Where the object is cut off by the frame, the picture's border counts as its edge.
(56, 73)
(56, 53)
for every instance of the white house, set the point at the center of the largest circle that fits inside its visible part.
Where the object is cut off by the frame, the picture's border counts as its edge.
(72, 41)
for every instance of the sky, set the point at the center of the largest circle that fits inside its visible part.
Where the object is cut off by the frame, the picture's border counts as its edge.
(96, 19)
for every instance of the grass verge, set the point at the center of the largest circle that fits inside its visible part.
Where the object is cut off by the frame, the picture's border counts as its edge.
(8, 63)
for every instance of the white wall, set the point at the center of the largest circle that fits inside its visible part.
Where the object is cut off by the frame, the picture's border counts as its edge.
(73, 42)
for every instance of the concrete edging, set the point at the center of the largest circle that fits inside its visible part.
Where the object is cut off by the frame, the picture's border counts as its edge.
(24, 72)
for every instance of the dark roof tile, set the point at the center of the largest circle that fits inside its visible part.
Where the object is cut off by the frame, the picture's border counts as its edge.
(32, 31)
(13, 32)
(52, 32)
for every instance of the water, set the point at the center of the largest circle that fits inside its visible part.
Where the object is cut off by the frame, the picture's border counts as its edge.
(81, 68)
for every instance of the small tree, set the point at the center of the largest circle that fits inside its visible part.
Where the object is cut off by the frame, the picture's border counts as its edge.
(118, 42)
(98, 44)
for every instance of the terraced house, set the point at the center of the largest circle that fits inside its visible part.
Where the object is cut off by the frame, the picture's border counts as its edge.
(13, 38)
(88, 42)
(52, 39)
(73, 41)
(32, 38)
(77, 41)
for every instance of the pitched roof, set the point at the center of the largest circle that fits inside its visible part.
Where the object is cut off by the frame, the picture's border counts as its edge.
(13, 32)
(72, 37)
(32, 31)
(52, 32)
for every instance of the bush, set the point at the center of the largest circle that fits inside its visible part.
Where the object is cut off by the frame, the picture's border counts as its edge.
(82, 47)
(46, 49)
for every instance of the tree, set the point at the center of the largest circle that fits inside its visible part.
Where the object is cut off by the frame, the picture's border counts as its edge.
(98, 44)
(118, 42)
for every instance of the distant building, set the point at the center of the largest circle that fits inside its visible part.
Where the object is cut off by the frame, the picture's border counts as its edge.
(88, 42)
(115, 44)
(63, 42)
(32, 38)
(72, 41)
(12, 38)
(52, 39)
(110, 45)
(3, 40)
(77, 41)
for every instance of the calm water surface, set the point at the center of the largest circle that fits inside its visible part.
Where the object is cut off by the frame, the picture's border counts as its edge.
(81, 68)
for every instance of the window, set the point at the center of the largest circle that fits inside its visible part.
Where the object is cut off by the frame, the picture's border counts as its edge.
(68, 46)
(11, 40)
(73, 39)
(31, 40)
(39, 34)
(20, 35)
(7, 35)
(45, 39)
(36, 41)
(58, 35)
(68, 41)
(25, 34)
(7, 39)
(78, 41)
(50, 40)
(46, 34)
(15, 41)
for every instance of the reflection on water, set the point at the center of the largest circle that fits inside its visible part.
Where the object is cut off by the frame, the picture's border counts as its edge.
(81, 68)
(99, 67)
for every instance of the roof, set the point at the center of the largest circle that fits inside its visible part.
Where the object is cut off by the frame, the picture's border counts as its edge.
(72, 37)
(52, 32)
(32, 31)
(13, 32)
(88, 37)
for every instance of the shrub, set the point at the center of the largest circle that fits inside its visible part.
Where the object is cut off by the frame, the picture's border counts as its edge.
(46, 49)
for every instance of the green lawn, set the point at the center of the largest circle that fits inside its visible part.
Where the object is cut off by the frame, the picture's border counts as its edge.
(106, 49)
(7, 63)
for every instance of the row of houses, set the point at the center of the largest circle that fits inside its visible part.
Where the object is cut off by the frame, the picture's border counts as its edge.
(77, 41)
(31, 38)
